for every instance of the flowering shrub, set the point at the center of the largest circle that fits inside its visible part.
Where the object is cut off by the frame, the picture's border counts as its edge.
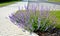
(33, 20)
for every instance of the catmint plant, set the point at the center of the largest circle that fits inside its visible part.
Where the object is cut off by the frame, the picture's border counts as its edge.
(34, 20)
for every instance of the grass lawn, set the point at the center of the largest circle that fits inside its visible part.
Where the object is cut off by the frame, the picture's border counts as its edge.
(54, 0)
(7, 3)
(57, 14)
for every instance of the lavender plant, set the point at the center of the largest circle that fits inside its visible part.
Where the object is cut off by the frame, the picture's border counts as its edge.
(33, 20)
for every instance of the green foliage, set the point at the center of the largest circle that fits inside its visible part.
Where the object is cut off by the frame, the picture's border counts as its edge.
(3, 1)
(6, 3)
(54, 0)
(46, 24)
(57, 14)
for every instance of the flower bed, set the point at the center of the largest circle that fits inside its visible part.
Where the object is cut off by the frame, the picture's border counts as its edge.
(39, 21)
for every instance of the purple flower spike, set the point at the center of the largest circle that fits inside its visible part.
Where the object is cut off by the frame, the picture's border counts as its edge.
(20, 25)
(12, 18)
(34, 8)
(47, 12)
(41, 11)
(26, 7)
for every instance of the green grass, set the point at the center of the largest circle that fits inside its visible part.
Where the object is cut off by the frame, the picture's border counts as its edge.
(57, 14)
(54, 0)
(7, 3)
